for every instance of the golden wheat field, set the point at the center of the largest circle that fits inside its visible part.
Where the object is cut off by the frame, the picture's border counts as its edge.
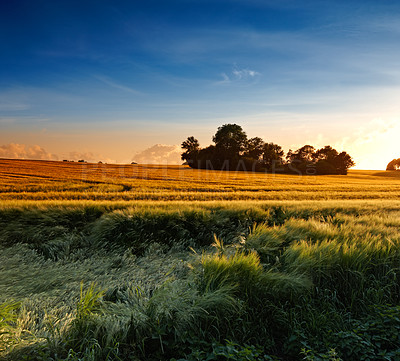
(50, 180)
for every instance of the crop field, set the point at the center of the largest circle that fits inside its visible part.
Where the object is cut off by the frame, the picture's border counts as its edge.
(143, 262)
(45, 180)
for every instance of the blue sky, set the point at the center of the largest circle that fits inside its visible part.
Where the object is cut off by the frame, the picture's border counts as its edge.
(109, 79)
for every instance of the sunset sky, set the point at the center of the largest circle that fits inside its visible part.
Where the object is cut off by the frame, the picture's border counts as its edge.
(130, 80)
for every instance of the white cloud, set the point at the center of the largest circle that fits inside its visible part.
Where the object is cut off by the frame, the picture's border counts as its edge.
(160, 154)
(23, 151)
(238, 74)
(244, 73)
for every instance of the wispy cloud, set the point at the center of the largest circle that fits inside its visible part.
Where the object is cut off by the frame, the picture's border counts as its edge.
(225, 79)
(114, 84)
(244, 73)
(238, 74)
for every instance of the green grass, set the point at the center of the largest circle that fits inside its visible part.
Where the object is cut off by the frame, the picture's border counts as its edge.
(176, 280)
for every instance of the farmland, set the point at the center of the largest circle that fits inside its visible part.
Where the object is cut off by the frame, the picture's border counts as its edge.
(143, 262)
(41, 180)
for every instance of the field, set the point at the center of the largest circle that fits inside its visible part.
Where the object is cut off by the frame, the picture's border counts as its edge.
(141, 262)
(41, 180)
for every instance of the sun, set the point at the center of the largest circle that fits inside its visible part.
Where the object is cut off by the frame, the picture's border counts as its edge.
(375, 147)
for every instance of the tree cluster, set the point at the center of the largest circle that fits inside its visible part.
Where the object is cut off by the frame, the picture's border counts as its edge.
(233, 150)
(394, 165)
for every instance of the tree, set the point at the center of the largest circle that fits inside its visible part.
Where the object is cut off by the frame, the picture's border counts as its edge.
(325, 160)
(233, 151)
(254, 148)
(207, 159)
(343, 162)
(230, 140)
(289, 155)
(325, 167)
(192, 147)
(330, 161)
(302, 160)
(326, 153)
(272, 155)
(305, 154)
(190, 144)
(394, 164)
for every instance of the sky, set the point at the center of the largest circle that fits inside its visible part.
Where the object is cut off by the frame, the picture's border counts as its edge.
(130, 80)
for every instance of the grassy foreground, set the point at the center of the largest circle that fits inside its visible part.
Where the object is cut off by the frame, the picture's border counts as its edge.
(213, 280)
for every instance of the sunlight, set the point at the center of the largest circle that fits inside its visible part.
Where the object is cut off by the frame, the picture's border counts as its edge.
(376, 145)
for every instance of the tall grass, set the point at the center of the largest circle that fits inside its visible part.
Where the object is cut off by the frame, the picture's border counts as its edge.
(282, 277)
(342, 254)
(8, 325)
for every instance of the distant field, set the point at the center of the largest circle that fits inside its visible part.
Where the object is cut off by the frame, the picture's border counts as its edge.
(49, 180)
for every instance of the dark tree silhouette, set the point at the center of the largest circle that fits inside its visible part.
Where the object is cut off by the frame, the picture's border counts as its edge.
(233, 151)
(394, 164)
(326, 153)
(192, 147)
(230, 139)
(206, 158)
(325, 160)
(272, 155)
(303, 154)
(343, 162)
(254, 148)
(301, 161)
(190, 144)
